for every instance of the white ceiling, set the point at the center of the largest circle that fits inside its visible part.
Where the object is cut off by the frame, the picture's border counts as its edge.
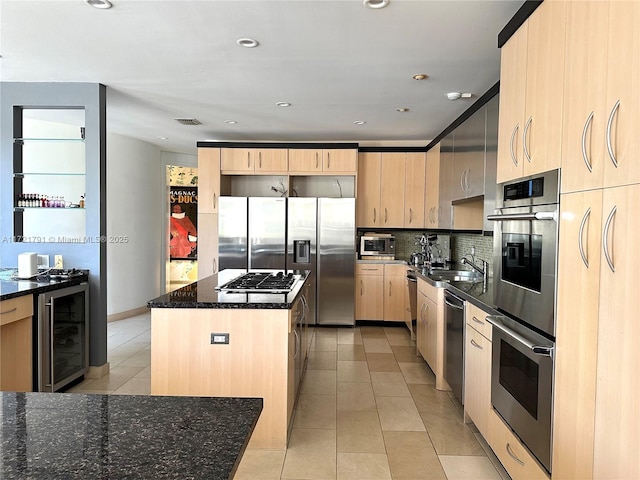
(336, 62)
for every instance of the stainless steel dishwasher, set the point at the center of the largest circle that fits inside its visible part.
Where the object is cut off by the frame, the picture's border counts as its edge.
(454, 344)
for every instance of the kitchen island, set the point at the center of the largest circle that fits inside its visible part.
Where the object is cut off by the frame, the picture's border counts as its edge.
(78, 436)
(210, 343)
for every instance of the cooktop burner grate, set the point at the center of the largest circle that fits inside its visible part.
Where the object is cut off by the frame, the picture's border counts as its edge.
(260, 282)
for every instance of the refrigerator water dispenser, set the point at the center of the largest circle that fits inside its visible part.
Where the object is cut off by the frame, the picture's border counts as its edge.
(302, 251)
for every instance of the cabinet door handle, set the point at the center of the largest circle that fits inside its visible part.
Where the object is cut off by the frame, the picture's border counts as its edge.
(374, 214)
(513, 455)
(513, 137)
(215, 265)
(385, 215)
(214, 200)
(462, 180)
(248, 160)
(466, 179)
(9, 311)
(585, 157)
(586, 216)
(524, 139)
(389, 287)
(605, 239)
(475, 319)
(316, 160)
(361, 288)
(328, 160)
(473, 342)
(612, 154)
(259, 159)
(410, 215)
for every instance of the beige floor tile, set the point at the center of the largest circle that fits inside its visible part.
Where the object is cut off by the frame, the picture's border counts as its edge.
(417, 373)
(430, 400)
(389, 384)
(145, 373)
(399, 414)
(322, 360)
(135, 386)
(363, 466)
(326, 332)
(319, 382)
(359, 432)
(412, 456)
(353, 372)
(406, 354)
(315, 411)
(349, 336)
(356, 396)
(260, 465)
(382, 362)
(311, 455)
(372, 332)
(324, 344)
(450, 436)
(116, 378)
(351, 352)
(459, 467)
(376, 345)
(398, 335)
(115, 360)
(140, 359)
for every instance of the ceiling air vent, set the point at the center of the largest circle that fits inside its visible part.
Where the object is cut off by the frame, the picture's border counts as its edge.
(188, 121)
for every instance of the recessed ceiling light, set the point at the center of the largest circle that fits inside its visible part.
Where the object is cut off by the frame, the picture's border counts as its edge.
(375, 3)
(230, 122)
(420, 76)
(359, 122)
(104, 4)
(457, 95)
(247, 42)
(161, 138)
(283, 104)
(402, 109)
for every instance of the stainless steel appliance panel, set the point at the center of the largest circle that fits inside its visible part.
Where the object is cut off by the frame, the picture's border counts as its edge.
(522, 383)
(232, 232)
(267, 233)
(454, 344)
(63, 336)
(302, 217)
(336, 261)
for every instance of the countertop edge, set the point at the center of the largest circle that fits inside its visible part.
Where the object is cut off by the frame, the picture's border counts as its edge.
(44, 287)
(489, 308)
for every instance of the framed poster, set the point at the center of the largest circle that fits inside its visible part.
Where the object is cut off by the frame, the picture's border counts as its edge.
(183, 232)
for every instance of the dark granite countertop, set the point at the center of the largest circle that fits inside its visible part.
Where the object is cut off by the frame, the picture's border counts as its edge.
(44, 283)
(203, 294)
(78, 436)
(479, 293)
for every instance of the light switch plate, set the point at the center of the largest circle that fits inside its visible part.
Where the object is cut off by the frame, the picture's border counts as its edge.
(219, 339)
(58, 262)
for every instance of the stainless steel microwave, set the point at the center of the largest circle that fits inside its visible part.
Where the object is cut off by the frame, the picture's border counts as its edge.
(377, 244)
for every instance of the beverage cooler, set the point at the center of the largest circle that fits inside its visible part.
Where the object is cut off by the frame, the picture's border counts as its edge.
(63, 337)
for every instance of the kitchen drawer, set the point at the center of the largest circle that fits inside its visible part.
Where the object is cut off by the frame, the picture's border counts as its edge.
(514, 456)
(16, 309)
(476, 318)
(369, 269)
(395, 270)
(429, 291)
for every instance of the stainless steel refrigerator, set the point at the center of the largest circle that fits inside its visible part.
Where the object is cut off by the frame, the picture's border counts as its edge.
(296, 233)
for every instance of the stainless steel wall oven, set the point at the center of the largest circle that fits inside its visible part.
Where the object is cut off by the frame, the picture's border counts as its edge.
(525, 264)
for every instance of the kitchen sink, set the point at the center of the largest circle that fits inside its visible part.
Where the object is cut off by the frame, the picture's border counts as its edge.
(456, 276)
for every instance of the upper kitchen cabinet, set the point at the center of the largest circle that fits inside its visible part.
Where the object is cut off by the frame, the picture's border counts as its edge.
(319, 161)
(414, 190)
(531, 92)
(254, 160)
(468, 166)
(209, 180)
(380, 203)
(601, 96)
(432, 183)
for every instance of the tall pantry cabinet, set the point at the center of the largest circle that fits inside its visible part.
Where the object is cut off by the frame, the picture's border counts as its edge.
(596, 417)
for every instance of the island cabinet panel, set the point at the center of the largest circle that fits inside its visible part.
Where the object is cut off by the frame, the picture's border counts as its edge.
(255, 362)
(16, 344)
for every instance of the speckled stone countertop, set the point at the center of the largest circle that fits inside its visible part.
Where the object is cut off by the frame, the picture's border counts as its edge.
(203, 294)
(17, 288)
(78, 436)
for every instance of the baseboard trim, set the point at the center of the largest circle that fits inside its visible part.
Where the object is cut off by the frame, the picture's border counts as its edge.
(97, 372)
(127, 314)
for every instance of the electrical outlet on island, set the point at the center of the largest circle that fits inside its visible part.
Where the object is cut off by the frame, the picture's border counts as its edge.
(58, 262)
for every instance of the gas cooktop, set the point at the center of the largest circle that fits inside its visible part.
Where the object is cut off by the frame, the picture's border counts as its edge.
(260, 282)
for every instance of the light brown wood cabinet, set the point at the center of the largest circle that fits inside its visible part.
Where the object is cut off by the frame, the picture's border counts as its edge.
(392, 173)
(208, 180)
(395, 289)
(432, 185)
(207, 244)
(16, 364)
(414, 190)
(369, 294)
(255, 160)
(531, 95)
(477, 369)
(368, 186)
(600, 142)
(432, 329)
(317, 161)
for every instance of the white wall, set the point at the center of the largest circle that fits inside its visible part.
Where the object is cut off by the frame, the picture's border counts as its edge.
(135, 214)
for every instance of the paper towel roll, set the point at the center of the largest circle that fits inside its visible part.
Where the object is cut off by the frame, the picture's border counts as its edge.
(27, 264)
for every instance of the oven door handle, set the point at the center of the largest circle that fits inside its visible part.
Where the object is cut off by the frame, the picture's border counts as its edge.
(523, 216)
(543, 350)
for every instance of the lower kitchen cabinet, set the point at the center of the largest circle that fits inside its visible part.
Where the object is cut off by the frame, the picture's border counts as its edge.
(16, 319)
(207, 244)
(430, 329)
(381, 292)
(477, 369)
(514, 457)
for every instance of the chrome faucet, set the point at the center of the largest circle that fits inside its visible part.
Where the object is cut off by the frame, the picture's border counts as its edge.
(484, 270)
